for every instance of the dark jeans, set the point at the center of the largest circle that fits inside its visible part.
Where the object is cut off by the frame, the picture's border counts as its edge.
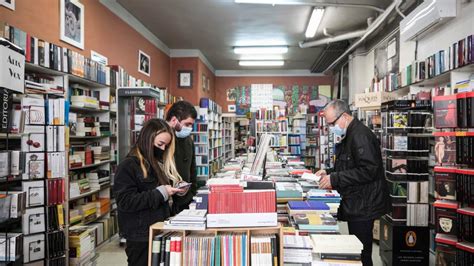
(363, 231)
(137, 253)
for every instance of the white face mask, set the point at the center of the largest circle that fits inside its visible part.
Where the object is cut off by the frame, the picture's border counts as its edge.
(184, 132)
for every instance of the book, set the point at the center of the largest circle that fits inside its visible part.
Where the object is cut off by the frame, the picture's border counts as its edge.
(336, 244)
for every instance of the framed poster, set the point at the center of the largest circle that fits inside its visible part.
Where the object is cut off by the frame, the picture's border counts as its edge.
(185, 79)
(71, 14)
(144, 63)
(10, 4)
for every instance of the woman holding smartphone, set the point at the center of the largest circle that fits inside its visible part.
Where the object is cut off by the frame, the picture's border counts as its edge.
(144, 185)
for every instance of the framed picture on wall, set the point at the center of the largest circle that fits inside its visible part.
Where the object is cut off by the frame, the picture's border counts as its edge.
(71, 14)
(204, 83)
(185, 79)
(231, 108)
(208, 84)
(10, 4)
(144, 63)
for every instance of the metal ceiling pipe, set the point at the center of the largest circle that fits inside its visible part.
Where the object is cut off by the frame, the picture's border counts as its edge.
(313, 3)
(337, 38)
(378, 21)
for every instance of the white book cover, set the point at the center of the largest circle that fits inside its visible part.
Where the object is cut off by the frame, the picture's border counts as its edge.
(336, 244)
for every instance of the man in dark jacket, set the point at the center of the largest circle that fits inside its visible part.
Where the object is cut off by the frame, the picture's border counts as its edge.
(181, 116)
(358, 175)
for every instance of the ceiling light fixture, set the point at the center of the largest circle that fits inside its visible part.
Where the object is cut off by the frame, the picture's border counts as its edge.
(261, 49)
(314, 21)
(266, 2)
(262, 63)
(261, 57)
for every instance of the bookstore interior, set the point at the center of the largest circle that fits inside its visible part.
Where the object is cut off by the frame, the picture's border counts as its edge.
(309, 140)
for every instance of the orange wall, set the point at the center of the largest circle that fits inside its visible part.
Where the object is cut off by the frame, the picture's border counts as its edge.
(194, 94)
(104, 33)
(186, 64)
(204, 70)
(225, 83)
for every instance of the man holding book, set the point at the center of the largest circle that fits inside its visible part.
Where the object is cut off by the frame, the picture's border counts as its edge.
(180, 117)
(358, 175)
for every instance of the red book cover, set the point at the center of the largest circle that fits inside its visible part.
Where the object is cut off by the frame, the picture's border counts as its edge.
(55, 192)
(28, 48)
(50, 192)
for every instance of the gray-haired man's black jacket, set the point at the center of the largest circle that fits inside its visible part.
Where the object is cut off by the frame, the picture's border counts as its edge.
(359, 176)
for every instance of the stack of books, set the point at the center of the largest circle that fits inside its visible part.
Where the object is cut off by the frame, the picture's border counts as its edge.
(229, 205)
(315, 223)
(78, 187)
(307, 207)
(343, 249)
(101, 153)
(98, 178)
(297, 250)
(286, 191)
(331, 197)
(81, 245)
(102, 206)
(187, 220)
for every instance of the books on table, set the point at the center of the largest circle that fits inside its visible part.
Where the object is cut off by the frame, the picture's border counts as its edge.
(337, 248)
(187, 220)
(316, 223)
(297, 249)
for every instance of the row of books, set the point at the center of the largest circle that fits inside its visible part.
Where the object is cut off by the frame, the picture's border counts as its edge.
(407, 166)
(42, 84)
(454, 184)
(273, 126)
(454, 111)
(49, 55)
(88, 126)
(56, 218)
(459, 54)
(264, 114)
(294, 150)
(12, 204)
(406, 143)
(209, 104)
(297, 249)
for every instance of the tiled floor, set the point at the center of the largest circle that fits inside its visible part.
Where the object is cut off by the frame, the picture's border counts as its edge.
(111, 254)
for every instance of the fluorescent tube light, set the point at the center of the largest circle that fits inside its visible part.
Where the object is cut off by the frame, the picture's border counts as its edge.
(261, 57)
(314, 22)
(265, 2)
(261, 49)
(262, 63)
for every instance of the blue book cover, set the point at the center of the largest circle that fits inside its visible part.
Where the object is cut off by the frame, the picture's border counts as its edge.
(298, 205)
(318, 205)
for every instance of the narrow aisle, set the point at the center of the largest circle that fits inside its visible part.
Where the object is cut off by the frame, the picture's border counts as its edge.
(112, 254)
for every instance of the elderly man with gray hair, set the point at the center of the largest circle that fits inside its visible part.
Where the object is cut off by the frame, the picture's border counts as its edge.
(358, 175)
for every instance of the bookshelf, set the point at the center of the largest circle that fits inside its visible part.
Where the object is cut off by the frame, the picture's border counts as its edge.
(157, 228)
(311, 152)
(208, 139)
(406, 143)
(272, 122)
(242, 133)
(228, 135)
(326, 144)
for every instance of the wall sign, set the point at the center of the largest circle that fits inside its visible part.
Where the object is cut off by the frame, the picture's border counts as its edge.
(6, 103)
(12, 67)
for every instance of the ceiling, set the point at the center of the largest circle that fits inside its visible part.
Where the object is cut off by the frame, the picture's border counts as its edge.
(215, 26)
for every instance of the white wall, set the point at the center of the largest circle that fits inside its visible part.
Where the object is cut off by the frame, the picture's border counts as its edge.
(444, 36)
(361, 66)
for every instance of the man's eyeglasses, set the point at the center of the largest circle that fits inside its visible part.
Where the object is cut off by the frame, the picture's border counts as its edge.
(331, 124)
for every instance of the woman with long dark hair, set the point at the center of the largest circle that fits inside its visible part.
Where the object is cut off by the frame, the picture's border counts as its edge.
(144, 184)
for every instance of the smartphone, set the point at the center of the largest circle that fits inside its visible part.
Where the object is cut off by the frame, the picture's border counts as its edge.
(183, 185)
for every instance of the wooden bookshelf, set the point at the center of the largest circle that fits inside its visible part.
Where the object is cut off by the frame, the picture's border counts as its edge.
(157, 228)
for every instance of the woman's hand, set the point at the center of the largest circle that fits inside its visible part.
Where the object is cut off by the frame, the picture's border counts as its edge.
(171, 190)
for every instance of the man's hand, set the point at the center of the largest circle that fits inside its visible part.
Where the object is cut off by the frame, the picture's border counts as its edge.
(325, 182)
(321, 172)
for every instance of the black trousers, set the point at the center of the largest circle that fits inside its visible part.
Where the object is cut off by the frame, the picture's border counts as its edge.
(363, 231)
(137, 253)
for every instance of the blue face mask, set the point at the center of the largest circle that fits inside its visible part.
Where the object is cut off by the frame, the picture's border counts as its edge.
(337, 130)
(184, 132)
